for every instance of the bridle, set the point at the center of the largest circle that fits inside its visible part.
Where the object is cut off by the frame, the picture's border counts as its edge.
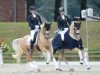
(46, 32)
(77, 30)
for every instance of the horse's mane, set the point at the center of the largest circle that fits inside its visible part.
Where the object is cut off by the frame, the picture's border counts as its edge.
(72, 24)
(42, 28)
(72, 27)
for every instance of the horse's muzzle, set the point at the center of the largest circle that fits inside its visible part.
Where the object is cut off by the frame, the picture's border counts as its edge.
(47, 34)
(77, 32)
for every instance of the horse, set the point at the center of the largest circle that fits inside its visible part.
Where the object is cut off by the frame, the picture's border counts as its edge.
(72, 40)
(20, 45)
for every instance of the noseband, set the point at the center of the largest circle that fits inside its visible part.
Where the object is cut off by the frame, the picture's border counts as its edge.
(77, 30)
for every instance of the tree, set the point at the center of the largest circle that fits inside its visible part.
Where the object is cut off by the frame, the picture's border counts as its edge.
(29, 3)
(83, 6)
(97, 3)
(56, 12)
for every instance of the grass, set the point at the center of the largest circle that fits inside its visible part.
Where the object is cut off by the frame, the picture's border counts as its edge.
(12, 30)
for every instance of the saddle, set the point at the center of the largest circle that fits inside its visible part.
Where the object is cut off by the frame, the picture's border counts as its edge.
(35, 39)
(68, 43)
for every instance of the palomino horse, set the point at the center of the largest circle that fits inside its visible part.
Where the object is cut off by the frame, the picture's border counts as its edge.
(71, 41)
(43, 44)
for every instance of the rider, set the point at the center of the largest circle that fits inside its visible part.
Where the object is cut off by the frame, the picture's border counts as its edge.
(34, 21)
(63, 23)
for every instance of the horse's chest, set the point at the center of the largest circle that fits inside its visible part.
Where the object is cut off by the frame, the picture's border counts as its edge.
(69, 42)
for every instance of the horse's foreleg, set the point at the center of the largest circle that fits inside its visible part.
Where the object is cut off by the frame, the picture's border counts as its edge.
(51, 52)
(48, 55)
(86, 59)
(81, 57)
(80, 53)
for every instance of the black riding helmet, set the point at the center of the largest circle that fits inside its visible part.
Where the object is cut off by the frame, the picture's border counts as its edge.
(32, 8)
(61, 9)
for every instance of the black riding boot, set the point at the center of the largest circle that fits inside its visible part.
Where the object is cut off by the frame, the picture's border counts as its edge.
(31, 46)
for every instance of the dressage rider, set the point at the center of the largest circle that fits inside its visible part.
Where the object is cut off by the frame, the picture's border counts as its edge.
(63, 23)
(34, 21)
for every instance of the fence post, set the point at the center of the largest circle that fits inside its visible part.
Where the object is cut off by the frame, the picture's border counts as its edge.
(1, 57)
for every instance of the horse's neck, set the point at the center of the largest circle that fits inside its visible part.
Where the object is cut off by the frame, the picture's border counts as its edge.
(42, 29)
(42, 32)
(72, 32)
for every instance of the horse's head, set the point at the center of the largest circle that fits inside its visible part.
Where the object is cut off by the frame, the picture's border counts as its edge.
(47, 27)
(77, 27)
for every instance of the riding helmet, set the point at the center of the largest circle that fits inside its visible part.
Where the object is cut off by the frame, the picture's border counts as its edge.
(61, 9)
(32, 8)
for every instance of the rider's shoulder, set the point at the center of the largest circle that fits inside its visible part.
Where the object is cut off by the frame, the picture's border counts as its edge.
(30, 16)
(59, 17)
(37, 15)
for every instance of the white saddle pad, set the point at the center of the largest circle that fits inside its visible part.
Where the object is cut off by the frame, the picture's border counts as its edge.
(29, 40)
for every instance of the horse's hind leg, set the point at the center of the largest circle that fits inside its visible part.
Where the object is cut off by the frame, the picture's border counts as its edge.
(31, 65)
(62, 57)
(18, 60)
(28, 57)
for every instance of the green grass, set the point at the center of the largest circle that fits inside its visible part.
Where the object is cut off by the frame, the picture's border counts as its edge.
(94, 35)
(12, 30)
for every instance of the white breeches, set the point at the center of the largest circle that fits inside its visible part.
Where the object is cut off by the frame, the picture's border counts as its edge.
(33, 32)
(62, 33)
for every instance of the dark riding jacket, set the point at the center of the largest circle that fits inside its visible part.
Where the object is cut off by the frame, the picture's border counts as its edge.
(63, 23)
(33, 21)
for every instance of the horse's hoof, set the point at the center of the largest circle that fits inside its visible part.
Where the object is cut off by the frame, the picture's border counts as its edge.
(39, 70)
(47, 63)
(88, 67)
(81, 63)
(58, 69)
(71, 70)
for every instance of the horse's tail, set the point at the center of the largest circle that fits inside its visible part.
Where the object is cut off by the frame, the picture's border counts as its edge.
(17, 49)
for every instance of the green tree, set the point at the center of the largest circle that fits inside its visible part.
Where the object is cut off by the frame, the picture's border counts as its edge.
(29, 3)
(56, 12)
(83, 5)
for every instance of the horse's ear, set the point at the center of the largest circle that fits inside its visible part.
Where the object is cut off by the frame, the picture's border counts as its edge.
(50, 23)
(45, 23)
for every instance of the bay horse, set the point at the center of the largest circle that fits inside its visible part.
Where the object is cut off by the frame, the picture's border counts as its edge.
(20, 45)
(72, 40)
